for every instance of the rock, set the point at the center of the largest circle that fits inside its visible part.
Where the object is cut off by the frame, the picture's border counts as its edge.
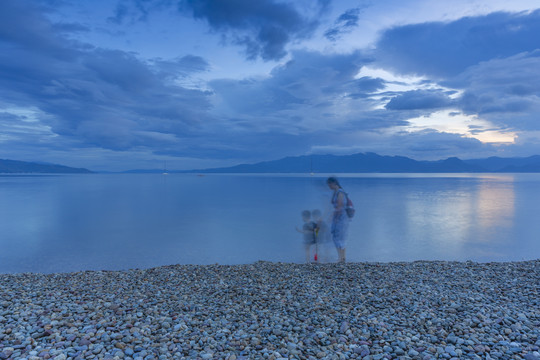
(413, 353)
(273, 311)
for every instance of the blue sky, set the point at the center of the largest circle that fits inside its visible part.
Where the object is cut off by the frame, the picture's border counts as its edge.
(132, 84)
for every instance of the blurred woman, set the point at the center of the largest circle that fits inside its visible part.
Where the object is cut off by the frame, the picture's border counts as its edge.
(340, 220)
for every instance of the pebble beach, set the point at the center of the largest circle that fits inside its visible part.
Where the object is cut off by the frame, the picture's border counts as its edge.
(414, 310)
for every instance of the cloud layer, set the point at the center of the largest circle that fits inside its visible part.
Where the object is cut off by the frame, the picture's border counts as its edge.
(60, 93)
(440, 49)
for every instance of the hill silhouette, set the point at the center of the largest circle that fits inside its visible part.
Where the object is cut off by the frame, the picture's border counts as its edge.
(371, 162)
(14, 166)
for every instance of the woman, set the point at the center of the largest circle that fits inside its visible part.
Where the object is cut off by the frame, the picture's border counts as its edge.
(340, 220)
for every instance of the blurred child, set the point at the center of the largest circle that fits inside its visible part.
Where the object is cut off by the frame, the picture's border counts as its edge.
(322, 237)
(308, 229)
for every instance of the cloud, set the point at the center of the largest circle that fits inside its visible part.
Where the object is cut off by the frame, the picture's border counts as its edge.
(263, 27)
(420, 99)
(311, 87)
(444, 49)
(435, 145)
(422, 145)
(368, 84)
(136, 10)
(312, 99)
(505, 91)
(95, 96)
(19, 127)
(22, 25)
(180, 68)
(344, 24)
(491, 61)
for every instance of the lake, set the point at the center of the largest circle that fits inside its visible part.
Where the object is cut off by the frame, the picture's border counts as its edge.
(61, 223)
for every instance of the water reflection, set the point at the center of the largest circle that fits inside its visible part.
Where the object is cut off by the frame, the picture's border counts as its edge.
(495, 206)
(436, 218)
(455, 219)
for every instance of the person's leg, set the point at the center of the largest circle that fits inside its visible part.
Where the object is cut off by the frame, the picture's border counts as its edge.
(308, 253)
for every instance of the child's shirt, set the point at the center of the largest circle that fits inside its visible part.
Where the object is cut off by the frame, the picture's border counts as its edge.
(309, 232)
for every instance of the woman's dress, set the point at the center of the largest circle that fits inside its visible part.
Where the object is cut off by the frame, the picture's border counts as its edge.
(340, 221)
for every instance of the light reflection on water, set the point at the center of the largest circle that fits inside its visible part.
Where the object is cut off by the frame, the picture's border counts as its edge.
(78, 222)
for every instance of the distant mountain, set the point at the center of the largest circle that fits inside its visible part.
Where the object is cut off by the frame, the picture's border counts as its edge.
(13, 166)
(371, 162)
(146, 171)
(497, 164)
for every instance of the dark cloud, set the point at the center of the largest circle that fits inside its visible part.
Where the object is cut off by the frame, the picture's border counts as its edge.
(304, 104)
(369, 84)
(420, 99)
(505, 91)
(344, 24)
(263, 27)
(364, 87)
(446, 49)
(308, 82)
(23, 26)
(97, 97)
(315, 97)
(120, 14)
(131, 11)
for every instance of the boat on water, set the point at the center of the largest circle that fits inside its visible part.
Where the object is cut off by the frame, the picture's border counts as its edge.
(165, 172)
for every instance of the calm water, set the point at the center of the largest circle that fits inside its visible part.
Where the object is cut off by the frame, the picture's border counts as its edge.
(88, 222)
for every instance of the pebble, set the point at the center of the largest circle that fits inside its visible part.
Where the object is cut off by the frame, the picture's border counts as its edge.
(415, 310)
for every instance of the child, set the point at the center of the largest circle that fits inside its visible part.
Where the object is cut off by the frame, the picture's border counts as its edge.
(322, 236)
(309, 233)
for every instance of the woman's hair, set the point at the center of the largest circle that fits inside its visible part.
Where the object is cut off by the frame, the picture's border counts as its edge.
(333, 180)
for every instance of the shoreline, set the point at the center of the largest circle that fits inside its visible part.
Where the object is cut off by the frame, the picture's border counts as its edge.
(416, 310)
(312, 263)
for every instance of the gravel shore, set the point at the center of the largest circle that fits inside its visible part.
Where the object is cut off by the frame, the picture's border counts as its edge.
(416, 310)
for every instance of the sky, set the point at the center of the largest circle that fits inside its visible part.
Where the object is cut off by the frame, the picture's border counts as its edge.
(113, 85)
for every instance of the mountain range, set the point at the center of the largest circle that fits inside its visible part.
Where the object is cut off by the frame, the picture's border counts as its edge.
(356, 163)
(371, 162)
(14, 166)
